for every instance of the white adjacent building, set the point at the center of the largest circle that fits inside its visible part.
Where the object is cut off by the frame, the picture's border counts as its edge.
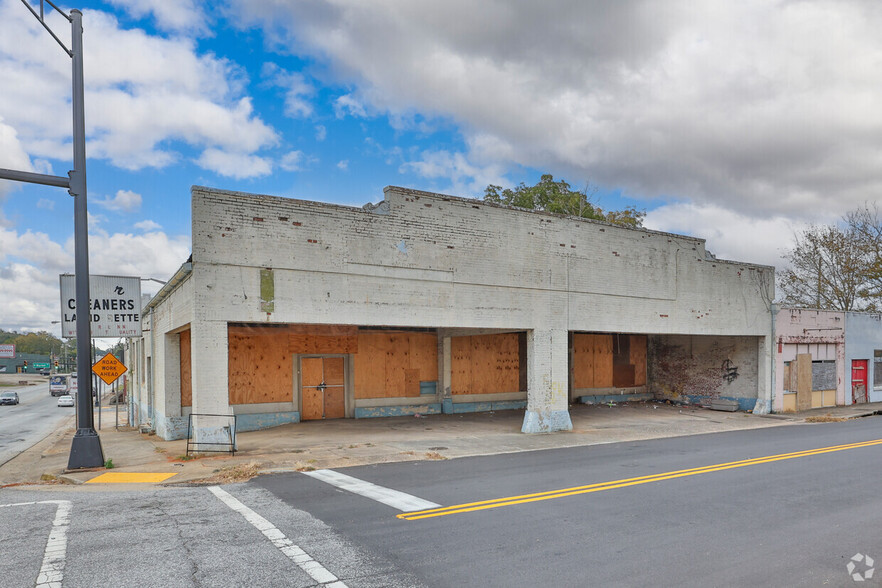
(291, 310)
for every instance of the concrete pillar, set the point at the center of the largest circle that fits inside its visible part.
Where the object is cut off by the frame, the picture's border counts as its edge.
(446, 376)
(171, 405)
(209, 352)
(547, 382)
(765, 377)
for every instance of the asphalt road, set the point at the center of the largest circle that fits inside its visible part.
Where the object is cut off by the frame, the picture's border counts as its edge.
(789, 522)
(705, 510)
(23, 425)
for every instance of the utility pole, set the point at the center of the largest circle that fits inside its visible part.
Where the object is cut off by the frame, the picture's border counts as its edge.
(86, 450)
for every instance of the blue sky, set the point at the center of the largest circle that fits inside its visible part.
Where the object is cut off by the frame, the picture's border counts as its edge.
(737, 123)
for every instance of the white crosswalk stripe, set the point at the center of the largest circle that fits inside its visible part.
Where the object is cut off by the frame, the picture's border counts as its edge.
(303, 560)
(399, 500)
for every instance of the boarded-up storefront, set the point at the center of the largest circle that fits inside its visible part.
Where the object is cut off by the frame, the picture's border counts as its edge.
(608, 363)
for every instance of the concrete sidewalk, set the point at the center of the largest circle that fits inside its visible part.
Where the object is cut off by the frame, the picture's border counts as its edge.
(341, 443)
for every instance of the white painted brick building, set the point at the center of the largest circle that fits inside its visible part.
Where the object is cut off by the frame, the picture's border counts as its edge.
(291, 309)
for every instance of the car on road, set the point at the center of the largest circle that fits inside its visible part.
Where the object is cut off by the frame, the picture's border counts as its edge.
(9, 398)
(45, 372)
(66, 400)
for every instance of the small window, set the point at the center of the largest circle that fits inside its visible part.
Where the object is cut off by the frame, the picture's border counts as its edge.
(823, 375)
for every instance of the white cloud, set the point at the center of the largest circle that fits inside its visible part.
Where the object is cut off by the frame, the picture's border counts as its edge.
(291, 161)
(12, 156)
(728, 234)
(343, 164)
(321, 133)
(348, 104)
(124, 201)
(234, 165)
(766, 108)
(46, 204)
(31, 262)
(184, 16)
(150, 255)
(297, 89)
(465, 178)
(147, 97)
(148, 226)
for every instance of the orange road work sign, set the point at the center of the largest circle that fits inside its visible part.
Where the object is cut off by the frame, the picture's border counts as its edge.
(109, 368)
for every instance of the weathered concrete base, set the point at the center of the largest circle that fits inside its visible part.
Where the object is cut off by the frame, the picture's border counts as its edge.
(170, 428)
(547, 421)
(744, 404)
(212, 438)
(607, 398)
(463, 407)
(761, 407)
(365, 412)
(265, 420)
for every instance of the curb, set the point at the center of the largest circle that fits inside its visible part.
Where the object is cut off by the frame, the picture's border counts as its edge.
(69, 479)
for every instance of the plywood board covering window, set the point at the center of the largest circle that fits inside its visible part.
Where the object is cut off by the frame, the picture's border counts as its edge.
(485, 364)
(322, 339)
(603, 360)
(260, 365)
(391, 364)
(186, 370)
(638, 359)
(592, 360)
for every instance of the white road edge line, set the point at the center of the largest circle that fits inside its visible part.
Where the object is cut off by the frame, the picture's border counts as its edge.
(399, 500)
(52, 571)
(303, 560)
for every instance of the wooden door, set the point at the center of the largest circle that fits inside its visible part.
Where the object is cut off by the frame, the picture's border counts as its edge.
(859, 381)
(323, 390)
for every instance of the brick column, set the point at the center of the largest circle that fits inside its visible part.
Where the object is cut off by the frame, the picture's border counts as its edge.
(208, 352)
(547, 382)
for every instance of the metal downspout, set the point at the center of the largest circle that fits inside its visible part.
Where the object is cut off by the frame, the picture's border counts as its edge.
(774, 368)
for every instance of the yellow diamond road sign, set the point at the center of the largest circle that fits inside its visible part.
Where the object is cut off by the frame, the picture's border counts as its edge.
(109, 368)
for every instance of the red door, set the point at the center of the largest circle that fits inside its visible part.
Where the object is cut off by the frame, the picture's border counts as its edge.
(859, 381)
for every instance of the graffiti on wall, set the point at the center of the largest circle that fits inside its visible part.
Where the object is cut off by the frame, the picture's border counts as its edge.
(730, 371)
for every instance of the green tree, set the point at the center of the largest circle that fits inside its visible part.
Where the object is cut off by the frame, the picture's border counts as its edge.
(558, 197)
(41, 343)
(7, 336)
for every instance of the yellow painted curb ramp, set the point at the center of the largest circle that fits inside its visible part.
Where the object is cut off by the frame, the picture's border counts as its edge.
(130, 478)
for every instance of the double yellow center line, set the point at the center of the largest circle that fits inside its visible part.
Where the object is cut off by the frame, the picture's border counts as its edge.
(551, 494)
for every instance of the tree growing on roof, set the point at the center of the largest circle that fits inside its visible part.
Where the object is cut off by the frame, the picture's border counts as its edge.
(558, 197)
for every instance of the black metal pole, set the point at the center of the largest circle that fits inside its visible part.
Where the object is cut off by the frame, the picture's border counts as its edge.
(85, 450)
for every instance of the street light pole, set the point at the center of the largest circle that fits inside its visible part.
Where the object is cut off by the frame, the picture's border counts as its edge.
(85, 451)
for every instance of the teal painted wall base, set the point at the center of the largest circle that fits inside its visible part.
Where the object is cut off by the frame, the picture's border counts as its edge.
(744, 404)
(462, 407)
(265, 420)
(447, 405)
(367, 412)
(547, 421)
(607, 398)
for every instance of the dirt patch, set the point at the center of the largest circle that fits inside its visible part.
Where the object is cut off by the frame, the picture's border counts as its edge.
(22, 379)
(231, 474)
(824, 419)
